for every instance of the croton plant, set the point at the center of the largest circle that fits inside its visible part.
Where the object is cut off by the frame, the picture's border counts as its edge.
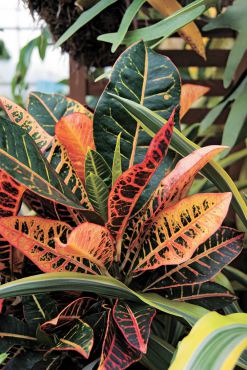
(103, 210)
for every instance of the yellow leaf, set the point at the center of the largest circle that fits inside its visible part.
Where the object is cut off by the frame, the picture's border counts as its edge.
(190, 33)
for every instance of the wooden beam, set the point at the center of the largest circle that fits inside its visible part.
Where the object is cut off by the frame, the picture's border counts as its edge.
(78, 82)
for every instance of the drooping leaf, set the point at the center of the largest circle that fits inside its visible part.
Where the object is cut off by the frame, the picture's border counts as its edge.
(89, 241)
(152, 123)
(178, 231)
(215, 342)
(75, 132)
(235, 17)
(48, 109)
(190, 33)
(117, 161)
(129, 186)
(134, 321)
(218, 251)
(96, 164)
(170, 190)
(36, 238)
(70, 330)
(189, 94)
(116, 352)
(23, 119)
(21, 159)
(147, 78)
(98, 193)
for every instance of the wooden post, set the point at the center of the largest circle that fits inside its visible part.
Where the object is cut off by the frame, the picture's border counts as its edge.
(78, 82)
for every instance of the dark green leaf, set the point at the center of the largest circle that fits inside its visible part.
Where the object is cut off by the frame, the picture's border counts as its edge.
(96, 164)
(98, 194)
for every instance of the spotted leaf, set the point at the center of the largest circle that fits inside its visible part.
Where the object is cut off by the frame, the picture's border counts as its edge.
(210, 258)
(23, 119)
(178, 231)
(129, 186)
(116, 352)
(47, 109)
(134, 321)
(75, 132)
(89, 241)
(36, 238)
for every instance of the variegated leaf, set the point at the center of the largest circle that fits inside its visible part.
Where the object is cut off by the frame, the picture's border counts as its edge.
(75, 132)
(36, 238)
(96, 164)
(23, 119)
(178, 231)
(98, 193)
(129, 186)
(116, 352)
(210, 258)
(47, 109)
(89, 241)
(170, 190)
(134, 321)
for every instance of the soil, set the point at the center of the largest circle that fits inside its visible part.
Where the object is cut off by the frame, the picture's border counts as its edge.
(83, 46)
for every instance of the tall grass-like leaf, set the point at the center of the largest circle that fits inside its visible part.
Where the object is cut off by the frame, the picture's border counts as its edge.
(117, 161)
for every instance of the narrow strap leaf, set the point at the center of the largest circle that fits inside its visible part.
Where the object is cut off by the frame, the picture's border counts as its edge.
(117, 162)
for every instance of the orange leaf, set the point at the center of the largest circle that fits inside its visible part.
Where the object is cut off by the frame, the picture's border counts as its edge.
(75, 132)
(178, 231)
(190, 33)
(189, 94)
(89, 241)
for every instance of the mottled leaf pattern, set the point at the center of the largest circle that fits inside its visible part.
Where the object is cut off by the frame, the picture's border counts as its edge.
(75, 132)
(178, 231)
(134, 321)
(89, 241)
(47, 109)
(36, 238)
(129, 186)
(116, 352)
(23, 119)
(210, 258)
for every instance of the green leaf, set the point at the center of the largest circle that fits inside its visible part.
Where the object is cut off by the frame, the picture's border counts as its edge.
(96, 164)
(235, 17)
(15, 332)
(159, 354)
(152, 122)
(101, 285)
(117, 162)
(129, 15)
(98, 194)
(215, 342)
(21, 159)
(3, 357)
(236, 275)
(84, 18)
(167, 26)
(149, 79)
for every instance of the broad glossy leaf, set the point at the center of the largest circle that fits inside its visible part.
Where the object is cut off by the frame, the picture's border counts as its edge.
(116, 352)
(190, 93)
(47, 109)
(218, 251)
(15, 332)
(209, 295)
(147, 78)
(89, 241)
(190, 33)
(170, 190)
(134, 321)
(21, 159)
(98, 193)
(75, 132)
(152, 123)
(36, 238)
(178, 231)
(100, 285)
(129, 186)
(23, 119)
(117, 161)
(96, 164)
(215, 342)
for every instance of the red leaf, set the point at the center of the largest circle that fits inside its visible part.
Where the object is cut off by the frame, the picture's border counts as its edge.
(116, 352)
(10, 195)
(1, 304)
(129, 186)
(134, 321)
(75, 132)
